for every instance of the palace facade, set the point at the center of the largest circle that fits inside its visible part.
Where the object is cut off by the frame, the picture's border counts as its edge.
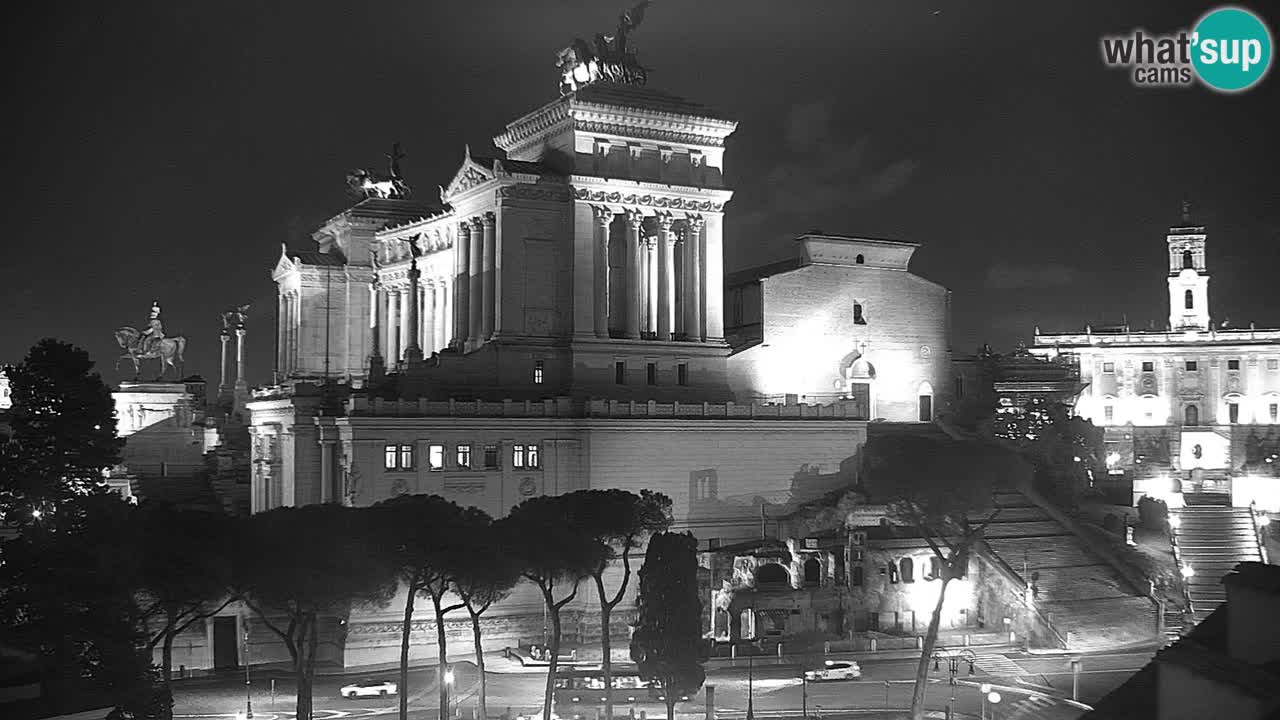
(1193, 407)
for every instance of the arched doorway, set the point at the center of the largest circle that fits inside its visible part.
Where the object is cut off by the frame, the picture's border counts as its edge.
(908, 570)
(1191, 416)
(925, 394)
(812, 571)
(771, 574)
(859, 376)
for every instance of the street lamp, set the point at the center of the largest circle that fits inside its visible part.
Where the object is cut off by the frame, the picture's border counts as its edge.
(751, 713)
(993, 697)
(448, 689)
(983, 690)
(248, 696)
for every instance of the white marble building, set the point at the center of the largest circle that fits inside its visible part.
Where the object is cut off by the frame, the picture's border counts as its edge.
(1197, 401)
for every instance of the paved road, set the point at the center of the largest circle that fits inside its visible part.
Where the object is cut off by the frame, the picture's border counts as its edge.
(1022, 680)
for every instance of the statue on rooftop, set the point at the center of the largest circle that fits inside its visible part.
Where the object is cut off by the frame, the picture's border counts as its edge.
(365, 184)
(608, 57)
(151, 343)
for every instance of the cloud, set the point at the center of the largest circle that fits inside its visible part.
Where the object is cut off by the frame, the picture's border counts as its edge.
(1004, 276)
(824, 172)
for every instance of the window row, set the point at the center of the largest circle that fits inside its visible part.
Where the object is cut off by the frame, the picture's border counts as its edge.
(1191, 414)
(904, 571)
(650, 373)
(401, 457)
(1188, 365)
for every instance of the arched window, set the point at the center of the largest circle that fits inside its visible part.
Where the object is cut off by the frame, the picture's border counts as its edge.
(1188, 300)
(1188, 262)
(858, 576)
(858, 319)
(812, 571)
(908, 570)
(1191, 416)
(859, 260)
(771, 574)
(935, 568)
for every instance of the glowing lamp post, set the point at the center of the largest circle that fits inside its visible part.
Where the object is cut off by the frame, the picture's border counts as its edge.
(1175, 521)
(993, 697)
(248, 696)
(983, 690)
(448, 689)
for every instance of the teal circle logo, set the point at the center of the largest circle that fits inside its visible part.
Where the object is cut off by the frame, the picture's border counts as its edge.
(1231, 49)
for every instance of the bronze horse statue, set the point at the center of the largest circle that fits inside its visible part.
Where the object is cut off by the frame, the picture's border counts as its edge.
(166, 350)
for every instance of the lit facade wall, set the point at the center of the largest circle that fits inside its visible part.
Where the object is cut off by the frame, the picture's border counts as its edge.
(850, 314)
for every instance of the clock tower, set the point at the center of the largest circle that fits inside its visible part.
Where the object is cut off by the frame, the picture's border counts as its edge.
(1188, 276)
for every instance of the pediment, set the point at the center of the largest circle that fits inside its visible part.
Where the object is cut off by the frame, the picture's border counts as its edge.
(469, 175)
(284, 266)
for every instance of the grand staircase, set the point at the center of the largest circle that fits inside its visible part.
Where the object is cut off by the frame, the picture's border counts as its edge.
(1083, 597)
(1210, 539)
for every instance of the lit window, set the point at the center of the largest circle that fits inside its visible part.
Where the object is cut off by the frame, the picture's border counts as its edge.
(517, 456)
(389, 457)
(406, 457)
(1108, 367)
(1233, 364)
(651, 373)
(538, 367)
(1148, 366)
(620, 373)
(1188, 300)
(682, 374)
(1192, 366)
(1233, 412)
(435, 457)
(1108, 413)
(1273, 363)
(531, 459)
(464, 456)
(491, 457)
(893, 573)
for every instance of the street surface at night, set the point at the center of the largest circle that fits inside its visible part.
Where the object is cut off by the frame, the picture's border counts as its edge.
(1023, 681)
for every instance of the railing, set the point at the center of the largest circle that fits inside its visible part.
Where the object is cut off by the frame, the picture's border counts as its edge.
(1149, 337)
(563, 407)
(1177, 560)
(1258, 531)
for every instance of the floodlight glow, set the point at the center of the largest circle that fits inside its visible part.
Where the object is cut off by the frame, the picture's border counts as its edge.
(993, 697)
(448, 677)
(1175, 521)
(984, 688)
(1113, 459)
(1187, 571)
(1263, 520)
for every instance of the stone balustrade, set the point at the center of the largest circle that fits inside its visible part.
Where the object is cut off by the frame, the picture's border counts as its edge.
(606, 409)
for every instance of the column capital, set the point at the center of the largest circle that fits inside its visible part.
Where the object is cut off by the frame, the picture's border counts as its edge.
(464, 226)
(665, 219)
(602, 214)
(477, 224)
(695, 222)
(488, 220)
(635, 217)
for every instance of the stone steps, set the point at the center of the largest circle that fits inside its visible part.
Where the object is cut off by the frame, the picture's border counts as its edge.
(1212, 539)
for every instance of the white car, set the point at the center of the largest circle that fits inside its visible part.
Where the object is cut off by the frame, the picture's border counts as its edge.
(368, 687)
(835, 670)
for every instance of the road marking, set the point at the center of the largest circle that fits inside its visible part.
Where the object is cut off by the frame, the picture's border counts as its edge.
(994, 664)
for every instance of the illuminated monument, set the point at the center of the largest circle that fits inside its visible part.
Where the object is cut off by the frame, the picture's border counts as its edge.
(1190, 408)
(556, 321)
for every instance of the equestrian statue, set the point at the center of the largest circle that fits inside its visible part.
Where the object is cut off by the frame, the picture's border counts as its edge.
(151, 344)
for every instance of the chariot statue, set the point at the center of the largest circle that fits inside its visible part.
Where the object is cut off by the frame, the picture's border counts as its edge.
(607, 57)
(366, 184)
(151, 344)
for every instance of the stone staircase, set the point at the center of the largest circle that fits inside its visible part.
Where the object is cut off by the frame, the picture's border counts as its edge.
(1211, 539)
(1083, 597)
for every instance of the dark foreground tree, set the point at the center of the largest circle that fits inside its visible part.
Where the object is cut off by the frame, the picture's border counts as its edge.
(487, 573)
(1065, 450)
(424, 539)
(298, 566)
(943, 489)
(184, 572)
(67, 595)
(667, 642)
(617, 521)
(63, 432)
(553, 554)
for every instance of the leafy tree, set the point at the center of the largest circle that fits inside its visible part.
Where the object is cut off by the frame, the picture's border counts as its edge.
(63, 432)
(936, 486)
(67, 594)
(1066, 451)
(297, 566)
(184, 574)
(552, 552)
(667, 642)
(487, 573)
(617, 521)
(424, 538)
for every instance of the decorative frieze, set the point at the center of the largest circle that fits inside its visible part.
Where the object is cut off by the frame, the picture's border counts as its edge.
(647, 200)
(641, 132)
(533, 192)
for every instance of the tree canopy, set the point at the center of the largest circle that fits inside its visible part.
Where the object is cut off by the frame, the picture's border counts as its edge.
(63, 431)
(666, 645)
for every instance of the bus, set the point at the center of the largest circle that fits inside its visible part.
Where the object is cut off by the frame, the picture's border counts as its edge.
(580, 694)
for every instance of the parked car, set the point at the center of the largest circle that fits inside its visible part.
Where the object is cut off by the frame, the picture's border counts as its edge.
(835, 670)
(368, 687)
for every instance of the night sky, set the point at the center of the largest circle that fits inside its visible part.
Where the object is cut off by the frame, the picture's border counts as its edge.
(164, 150)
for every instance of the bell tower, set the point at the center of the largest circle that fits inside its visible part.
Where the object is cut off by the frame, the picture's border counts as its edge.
(1188, 275)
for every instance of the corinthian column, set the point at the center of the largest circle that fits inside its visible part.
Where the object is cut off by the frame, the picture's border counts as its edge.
(651, 285)
(460, 302)
(666, 277)
(475, 289)
(693, 262)
(429, 317)
(634, 221)
(393, 326)
(224, 336)
(603, 217)
(488, 221)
